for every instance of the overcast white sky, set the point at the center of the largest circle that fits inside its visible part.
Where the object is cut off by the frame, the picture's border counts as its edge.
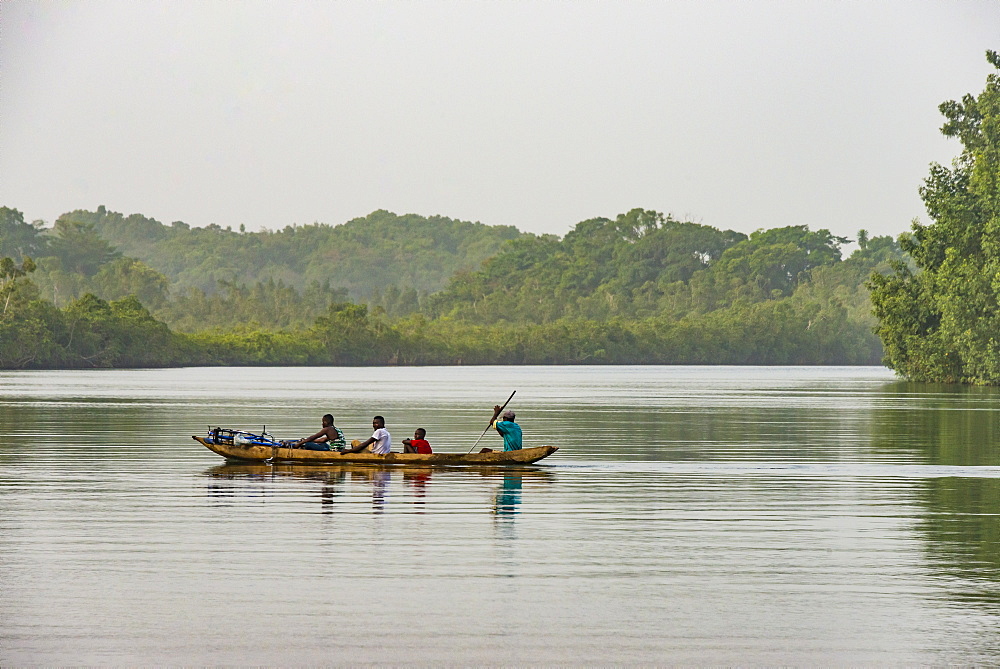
(740, 115)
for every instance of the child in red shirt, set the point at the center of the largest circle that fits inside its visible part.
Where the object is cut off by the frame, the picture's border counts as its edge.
(418, 444)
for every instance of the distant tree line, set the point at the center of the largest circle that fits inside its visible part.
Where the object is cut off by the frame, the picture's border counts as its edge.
(101, 289)
(360, 257)
(642, 288)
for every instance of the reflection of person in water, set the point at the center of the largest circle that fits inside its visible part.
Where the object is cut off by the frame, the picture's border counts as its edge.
(508, 496)
(380, 482)
(418, 480)
(330, 491)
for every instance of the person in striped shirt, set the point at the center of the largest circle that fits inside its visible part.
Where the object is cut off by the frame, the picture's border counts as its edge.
(330, 438)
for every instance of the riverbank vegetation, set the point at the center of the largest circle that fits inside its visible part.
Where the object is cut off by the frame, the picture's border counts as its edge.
(101, 289)
(939, 317)
(642, 288)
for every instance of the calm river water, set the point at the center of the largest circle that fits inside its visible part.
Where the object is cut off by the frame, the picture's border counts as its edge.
(694, 515)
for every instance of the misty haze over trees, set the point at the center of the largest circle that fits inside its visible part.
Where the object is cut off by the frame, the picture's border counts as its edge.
(102, 289)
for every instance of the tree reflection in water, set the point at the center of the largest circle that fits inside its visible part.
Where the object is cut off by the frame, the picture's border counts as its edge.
(950, 426)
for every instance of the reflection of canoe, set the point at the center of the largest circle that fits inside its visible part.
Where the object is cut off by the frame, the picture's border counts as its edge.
(259, 453)
(244, 469)
(248, 469)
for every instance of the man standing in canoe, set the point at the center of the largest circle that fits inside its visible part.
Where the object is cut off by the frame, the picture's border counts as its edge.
(380, 441)
(506, 428)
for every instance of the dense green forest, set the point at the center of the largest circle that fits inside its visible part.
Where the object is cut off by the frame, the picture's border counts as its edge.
(382, 258)
(642, 288)
(940, 317)
(642, 265)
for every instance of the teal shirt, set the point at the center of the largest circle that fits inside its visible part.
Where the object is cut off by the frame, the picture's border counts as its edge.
(511, 433)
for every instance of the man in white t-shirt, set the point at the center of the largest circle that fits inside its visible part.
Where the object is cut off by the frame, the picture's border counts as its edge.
(380, 441)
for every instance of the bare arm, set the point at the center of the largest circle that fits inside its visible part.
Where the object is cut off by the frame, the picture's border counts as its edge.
(321, 433)
(493, 421)
(360, 447)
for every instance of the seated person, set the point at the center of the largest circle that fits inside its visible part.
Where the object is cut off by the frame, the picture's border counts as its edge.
(380, 441)
(330, 438)
(418, 444)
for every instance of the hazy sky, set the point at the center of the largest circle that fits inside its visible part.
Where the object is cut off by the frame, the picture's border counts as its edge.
(739, 115)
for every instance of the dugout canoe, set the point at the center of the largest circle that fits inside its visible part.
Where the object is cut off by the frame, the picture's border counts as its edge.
(259, 453)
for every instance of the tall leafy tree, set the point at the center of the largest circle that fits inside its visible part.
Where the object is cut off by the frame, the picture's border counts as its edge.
(602, 268)
(775, 261)
(127, 276)
(80, 248)
(940, 321)
(9, 275)
(17, 238)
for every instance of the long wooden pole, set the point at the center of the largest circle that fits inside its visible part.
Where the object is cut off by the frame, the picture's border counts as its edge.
(491, 423)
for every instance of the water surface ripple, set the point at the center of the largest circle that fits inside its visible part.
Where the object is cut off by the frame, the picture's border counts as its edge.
(693, 515)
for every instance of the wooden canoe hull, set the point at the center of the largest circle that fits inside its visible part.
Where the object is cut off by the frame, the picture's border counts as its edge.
(256, 453)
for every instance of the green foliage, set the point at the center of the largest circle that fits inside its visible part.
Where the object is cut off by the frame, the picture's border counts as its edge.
(79, 247)
(601, 269)
(939, 320)
(125, 277)
(30, 335)
(17, 238)
(267, 304)
(117, 278)
(248, 346)
(10, 272)
(642, 288)
(27, 324)
(360, 256)
(349, 335)
(395, 301)
(89, 332)
(121, 333)
(641, 265)
(772, 263)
